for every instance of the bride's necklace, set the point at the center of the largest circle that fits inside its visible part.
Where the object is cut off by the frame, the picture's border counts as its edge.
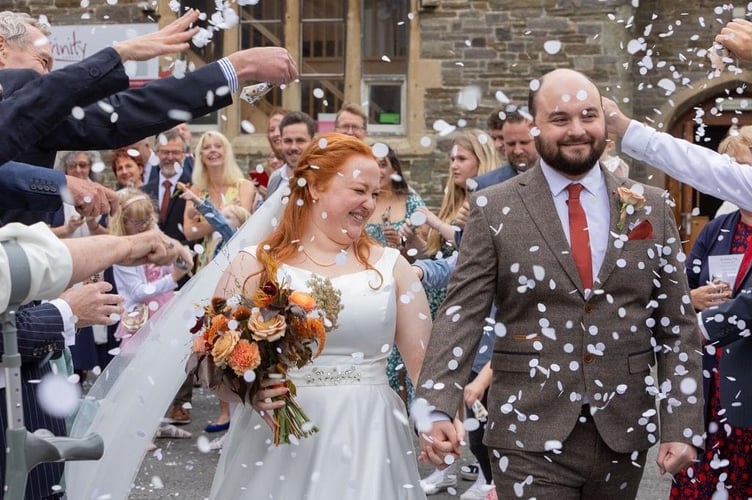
(320, 264)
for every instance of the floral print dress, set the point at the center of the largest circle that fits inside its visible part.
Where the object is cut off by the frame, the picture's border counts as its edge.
(395, 366)
(724, 467)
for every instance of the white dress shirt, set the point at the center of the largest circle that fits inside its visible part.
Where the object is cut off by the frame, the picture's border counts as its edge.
(594, 200)
(702, 168)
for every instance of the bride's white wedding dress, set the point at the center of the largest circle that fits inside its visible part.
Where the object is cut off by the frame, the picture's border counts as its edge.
(363, 449)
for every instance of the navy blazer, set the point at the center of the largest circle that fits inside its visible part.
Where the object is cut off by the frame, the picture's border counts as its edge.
(495, 176)
(29, 110)
(714, 239)
(141, 112)
(728, 327)
(28, 187)
(173, 223)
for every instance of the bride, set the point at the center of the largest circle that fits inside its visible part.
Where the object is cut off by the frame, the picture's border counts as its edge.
(364, 446)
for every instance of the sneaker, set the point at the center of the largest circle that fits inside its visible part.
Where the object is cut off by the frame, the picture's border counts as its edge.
(178, 415)
(478, 491)
(469, 472)
(171, 431)
(439, 480)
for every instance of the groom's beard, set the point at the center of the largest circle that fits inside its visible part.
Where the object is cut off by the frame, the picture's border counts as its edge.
(571, 164)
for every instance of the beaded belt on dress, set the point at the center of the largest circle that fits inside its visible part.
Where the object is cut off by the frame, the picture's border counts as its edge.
(339, 375)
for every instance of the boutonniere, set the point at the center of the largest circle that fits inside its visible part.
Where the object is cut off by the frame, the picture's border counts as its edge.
(631, 200)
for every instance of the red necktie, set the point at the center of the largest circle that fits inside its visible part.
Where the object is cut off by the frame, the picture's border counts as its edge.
(744, 266)
(579, 237)
(165, 200)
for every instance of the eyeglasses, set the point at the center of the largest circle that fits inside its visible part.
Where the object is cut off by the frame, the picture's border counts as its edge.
(139, 222)
(81, 164)
(170, 152)
(350, 128)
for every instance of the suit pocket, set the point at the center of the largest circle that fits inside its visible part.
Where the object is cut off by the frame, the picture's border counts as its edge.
(641, 361)
(508, 361)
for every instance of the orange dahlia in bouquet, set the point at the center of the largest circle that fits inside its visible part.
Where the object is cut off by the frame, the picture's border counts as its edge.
(247, 339)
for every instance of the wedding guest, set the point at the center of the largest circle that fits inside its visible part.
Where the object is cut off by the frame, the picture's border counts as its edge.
(395, 205)
(218, 178)
(351, 120)
(722, 467)
(471, 154)
(145, 288)
(362, 429)
(128, 167)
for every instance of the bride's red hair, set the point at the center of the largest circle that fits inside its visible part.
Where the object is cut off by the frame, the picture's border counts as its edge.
(318, 165)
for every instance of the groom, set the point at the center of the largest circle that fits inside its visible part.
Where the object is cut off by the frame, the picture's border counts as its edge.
(589, 286)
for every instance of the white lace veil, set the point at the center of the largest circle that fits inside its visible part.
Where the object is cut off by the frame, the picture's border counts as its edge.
(125, 404)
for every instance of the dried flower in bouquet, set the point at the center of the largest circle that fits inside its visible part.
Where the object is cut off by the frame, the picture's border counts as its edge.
(247, 339)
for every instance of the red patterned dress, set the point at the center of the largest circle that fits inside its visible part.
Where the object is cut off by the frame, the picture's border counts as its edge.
(725, 467)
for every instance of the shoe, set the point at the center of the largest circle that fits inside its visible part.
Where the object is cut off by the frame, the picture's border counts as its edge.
(217, 427)
(469, 472)
(178, 415)
(216, 444)
(478, 491)
(439, 480)
(171, 431)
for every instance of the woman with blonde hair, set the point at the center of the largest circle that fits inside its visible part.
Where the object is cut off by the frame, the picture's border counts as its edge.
(363, 448)
(218, 178)
(472, 154)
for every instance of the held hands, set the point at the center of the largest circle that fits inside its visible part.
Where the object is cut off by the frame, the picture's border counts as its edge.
(736, 36)
(172, 38)
(444, 440)
(674, 457)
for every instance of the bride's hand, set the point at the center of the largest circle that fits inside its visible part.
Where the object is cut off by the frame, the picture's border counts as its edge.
(267, 399)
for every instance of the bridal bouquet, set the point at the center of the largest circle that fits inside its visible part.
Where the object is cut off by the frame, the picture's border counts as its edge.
(247, 339)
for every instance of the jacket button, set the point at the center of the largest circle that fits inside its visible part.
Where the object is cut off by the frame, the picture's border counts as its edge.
(588, 308)
(588, 358)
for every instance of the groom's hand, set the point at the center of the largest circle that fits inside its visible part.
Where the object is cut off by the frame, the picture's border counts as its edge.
(444, 438)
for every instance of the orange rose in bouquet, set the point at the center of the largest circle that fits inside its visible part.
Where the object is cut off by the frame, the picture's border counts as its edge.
(247, 339)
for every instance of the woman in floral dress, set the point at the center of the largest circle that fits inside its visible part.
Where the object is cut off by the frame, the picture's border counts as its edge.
(396, 204)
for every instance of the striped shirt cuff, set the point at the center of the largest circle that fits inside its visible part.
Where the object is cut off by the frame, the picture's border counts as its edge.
(229, 71)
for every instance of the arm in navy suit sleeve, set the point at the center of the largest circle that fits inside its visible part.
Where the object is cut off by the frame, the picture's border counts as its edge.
(28, 187)
(39, 332)
(27, 114)
(144, 111)
(729, 321)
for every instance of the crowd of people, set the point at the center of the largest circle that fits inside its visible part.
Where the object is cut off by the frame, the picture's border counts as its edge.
(546, 306)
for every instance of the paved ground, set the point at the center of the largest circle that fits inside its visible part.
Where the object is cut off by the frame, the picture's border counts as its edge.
(179, 470)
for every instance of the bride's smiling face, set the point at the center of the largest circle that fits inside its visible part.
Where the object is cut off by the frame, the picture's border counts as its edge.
(344, 207)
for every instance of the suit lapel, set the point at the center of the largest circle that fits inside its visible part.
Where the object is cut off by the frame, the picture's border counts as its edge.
(536, 196)
(612, 252)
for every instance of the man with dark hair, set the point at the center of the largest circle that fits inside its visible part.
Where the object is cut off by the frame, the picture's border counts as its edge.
(494, 124)
(297, 130)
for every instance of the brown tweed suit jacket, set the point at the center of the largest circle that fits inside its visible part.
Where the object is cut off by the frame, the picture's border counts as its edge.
(552, 344)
